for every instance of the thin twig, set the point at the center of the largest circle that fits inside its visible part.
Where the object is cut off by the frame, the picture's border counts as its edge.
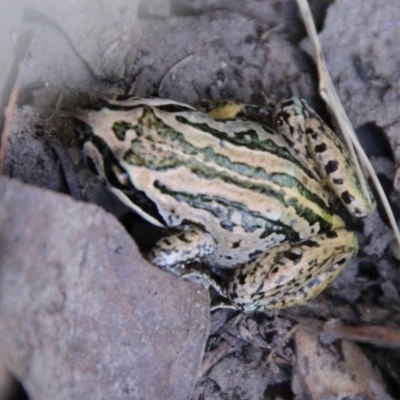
(381, 336)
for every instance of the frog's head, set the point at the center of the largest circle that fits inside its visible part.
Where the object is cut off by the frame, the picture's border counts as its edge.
(101, 140)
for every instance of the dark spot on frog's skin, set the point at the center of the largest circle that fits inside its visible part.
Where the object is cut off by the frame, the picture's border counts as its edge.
(167, 242)
(320, 148)
(311, 132)
(291, 129)
(288, 141)
(287, 103)
(296, 258)
(331, 166)
(347, 197)
(241, 278)
(331, 234)
(309, 276)
(182, 237)
(259, 289)
(235, 245)
(255, 254)
(265, 234)
(228, 257)
(342, 261)
(338, 181)
(275, 270)
(310, 243)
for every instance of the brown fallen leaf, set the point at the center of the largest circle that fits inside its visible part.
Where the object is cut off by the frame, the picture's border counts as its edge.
(334, 371)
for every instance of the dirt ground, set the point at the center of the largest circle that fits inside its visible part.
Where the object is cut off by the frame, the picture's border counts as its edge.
(82, 314)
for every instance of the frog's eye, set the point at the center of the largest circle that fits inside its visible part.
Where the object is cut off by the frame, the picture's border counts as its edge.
(93, 159)
(103, 163)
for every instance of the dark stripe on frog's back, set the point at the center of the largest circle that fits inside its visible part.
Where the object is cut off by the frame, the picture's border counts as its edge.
(248, 138)
(178, 144)
(222, 208)
(204, 167)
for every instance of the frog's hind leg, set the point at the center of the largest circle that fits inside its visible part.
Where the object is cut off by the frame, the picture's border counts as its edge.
(290, 275)
(182, 247)
(312, 139)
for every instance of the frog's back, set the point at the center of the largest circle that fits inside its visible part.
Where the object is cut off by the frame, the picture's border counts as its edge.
(237, 179)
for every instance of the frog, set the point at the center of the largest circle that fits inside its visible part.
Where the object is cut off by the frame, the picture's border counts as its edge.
(232, 191)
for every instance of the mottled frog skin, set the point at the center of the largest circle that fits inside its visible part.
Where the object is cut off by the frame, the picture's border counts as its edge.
(237, 193)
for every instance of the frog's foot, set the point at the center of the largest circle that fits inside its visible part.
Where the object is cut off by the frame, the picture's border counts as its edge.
(180, 248)
(290, 275)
